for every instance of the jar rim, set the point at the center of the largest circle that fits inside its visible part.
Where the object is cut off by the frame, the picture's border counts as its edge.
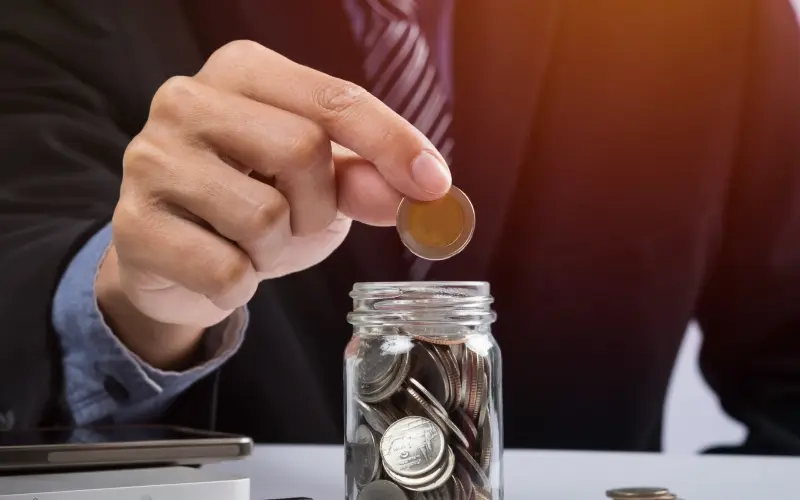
(471, 288)
(421, 303)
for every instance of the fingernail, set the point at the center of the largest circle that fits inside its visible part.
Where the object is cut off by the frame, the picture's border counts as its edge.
(430, 173)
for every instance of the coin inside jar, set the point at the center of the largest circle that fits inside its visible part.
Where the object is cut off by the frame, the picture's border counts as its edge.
(382, 490)
(439, 229)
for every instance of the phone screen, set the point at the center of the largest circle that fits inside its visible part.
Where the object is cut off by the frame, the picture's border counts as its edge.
(110, 434)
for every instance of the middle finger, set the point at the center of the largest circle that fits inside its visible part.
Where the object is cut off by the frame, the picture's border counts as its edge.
(289, 150)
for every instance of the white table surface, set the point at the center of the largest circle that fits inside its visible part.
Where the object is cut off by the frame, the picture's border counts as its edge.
(317, 472)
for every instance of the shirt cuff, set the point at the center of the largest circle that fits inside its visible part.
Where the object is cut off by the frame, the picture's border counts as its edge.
(103, 380)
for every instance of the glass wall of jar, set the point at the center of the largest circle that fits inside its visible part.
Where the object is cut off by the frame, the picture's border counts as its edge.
(423, 389)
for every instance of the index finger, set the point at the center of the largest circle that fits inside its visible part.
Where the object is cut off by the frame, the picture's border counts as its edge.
(349, 114)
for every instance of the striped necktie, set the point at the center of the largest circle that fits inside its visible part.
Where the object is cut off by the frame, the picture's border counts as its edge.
(401, 71)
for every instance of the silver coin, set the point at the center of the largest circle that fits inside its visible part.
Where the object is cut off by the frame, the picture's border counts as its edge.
(464, 362)
(466, 482)
(379, 382)
(438, 494)
(457, 351)
(375, 364)
(467, 427)
(427, 368)
(425, 393)
(444, 492)
(458, 489)
(640, 493)
(374, 417)
(477, 383)
(391, 411)
(364, 459)
(479, 478)
(450, 364)
(442, 420)
(415, 404)
(448, 491)
(475, 403)
(393, 383)
(445, 473)
(483, 401)
(482, 494)
(485, 449)
(382, 490)
(428, 481)
(412, 446)
(469, 380)
(407, 482)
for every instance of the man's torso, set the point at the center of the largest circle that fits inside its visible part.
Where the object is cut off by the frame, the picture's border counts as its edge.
(598, 171)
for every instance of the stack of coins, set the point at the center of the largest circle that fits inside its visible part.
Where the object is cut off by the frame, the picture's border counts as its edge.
(641, 493)
(425, 423)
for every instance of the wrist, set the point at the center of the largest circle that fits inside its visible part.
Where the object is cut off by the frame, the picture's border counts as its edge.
(164, 346)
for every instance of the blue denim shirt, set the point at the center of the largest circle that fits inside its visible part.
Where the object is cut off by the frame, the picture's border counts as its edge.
(103, 380)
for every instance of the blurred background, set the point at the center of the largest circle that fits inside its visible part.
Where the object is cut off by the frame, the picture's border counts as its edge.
(693, 419)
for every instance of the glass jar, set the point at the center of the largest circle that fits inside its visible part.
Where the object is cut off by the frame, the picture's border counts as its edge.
(423, 393)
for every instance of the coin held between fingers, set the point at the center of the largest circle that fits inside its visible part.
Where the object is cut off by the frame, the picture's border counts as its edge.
(439, 229)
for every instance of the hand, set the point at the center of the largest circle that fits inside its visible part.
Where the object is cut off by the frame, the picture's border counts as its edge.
(250, 170)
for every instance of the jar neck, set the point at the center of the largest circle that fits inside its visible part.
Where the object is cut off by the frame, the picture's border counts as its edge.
(410, 305)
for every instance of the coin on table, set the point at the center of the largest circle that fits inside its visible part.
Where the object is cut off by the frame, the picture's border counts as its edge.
(439, 229)
(640, 493)
(382, 490)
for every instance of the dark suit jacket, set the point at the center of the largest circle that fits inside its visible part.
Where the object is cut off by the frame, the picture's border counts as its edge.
(633, 165)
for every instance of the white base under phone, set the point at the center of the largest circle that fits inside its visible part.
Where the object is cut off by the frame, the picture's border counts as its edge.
(166, 483)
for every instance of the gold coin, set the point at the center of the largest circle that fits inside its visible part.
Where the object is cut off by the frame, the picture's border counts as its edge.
(436, 230)
(436, 224)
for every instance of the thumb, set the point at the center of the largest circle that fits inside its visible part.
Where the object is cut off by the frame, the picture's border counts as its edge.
(362, 192)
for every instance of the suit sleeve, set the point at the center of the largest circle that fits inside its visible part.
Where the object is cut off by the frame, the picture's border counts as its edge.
(750, 310)
(62, 138)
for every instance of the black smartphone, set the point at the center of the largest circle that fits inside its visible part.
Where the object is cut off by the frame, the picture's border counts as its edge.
(116, 446)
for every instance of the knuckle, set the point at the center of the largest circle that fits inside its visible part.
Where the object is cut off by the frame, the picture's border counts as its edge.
(147, 167)
(138, 156)
(174, 97)
(264, 216)
(229, 271)
(309, 147)
(126, 223)
(233, 53)
(339, 99)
